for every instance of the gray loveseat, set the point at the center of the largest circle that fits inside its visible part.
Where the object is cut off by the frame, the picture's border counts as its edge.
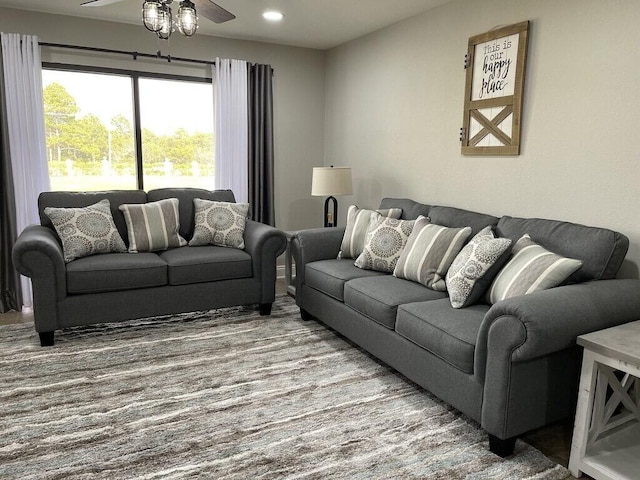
(512, 366)
(118, 286)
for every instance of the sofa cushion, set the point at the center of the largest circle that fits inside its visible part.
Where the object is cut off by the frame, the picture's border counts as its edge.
(601, 250)
(115, 271)
(206, 264)
(411, 209)
(446, 332)
(358, 220)
(378, 297)
(429, 252)
(329, 276)
(185, 197)
(459, 218)
(85, 231)
(386, 237)
(219, 223)
(531, 268)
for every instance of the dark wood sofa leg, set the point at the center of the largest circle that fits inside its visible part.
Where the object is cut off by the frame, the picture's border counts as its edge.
(306, 316)
(265, 308)
(46, 339)
(502, 448)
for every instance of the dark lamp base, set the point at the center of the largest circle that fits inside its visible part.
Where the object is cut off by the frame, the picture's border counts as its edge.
(330, 218)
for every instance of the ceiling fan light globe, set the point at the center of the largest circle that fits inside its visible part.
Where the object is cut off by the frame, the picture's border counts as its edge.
(166, 23)
(151, 17)
(187, 19)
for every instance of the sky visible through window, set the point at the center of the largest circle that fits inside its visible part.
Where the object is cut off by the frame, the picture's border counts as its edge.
(108, 95)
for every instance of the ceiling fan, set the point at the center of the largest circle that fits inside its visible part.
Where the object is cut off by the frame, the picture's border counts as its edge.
(157, 14)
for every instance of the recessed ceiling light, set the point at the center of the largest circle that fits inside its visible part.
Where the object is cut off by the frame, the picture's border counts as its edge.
(272, 15)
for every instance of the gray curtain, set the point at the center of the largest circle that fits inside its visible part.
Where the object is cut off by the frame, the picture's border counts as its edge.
(261, 174)
(10, 290)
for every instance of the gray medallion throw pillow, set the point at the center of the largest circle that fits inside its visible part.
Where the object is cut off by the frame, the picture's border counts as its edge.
(219, 223)
(385, 239)
(358, 220)
(475, 266)
(86, 231)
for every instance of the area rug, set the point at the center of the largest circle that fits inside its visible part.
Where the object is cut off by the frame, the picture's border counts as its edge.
(228, 394)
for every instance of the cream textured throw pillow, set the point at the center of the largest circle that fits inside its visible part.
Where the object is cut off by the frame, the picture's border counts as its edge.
(86, 231)
(385, 239)
(358, 220)
(473, 269)
(530, 269)
(153, 226)
(219, 223)
(429, 252)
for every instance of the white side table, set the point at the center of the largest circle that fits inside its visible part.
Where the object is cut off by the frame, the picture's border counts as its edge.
(606, 435)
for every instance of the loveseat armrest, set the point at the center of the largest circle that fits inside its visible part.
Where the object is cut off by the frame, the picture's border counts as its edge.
(264, 243)
(534, 325)
(37, 254)
(312, 245)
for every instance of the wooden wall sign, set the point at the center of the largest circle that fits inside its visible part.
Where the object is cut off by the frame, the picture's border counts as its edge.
(495, 64)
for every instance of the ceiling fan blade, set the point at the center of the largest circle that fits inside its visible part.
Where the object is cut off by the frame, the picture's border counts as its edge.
(212, 11)
(98, 3)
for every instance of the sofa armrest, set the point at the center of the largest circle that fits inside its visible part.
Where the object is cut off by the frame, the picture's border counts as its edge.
(264, 243)
(526, 355)
(531, 326)
(37, 254)
(314, 244)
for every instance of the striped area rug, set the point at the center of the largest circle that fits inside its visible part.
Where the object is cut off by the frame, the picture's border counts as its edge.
(228, 394)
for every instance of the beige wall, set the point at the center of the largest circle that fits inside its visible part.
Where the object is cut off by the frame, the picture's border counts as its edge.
(394, 109)
(390, 105)
(298, 88)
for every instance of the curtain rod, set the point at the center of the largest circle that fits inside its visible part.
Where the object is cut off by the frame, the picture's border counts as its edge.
(135, 55)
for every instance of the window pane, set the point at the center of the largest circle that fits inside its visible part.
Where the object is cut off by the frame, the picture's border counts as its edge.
(177, 134)
(89, 131)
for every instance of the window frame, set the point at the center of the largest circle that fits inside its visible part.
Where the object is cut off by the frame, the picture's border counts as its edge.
(134, 76)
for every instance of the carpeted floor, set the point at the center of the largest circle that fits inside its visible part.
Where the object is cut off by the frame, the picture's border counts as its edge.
(228, 394)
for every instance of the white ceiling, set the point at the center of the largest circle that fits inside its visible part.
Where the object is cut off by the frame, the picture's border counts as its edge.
(318, 24)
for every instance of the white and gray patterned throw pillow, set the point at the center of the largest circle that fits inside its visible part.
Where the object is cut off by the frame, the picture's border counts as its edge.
(475, 266)
(385, 239)
(358, 220)
(86, 231)
(219, 223)
(429, 252)
(530, 269)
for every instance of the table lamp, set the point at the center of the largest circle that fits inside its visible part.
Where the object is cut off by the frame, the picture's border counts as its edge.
(331, 181)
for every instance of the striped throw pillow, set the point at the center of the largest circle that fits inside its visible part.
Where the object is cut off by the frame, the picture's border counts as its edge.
(530, 269)
(429, 252)
(358, 220)
(153, 226)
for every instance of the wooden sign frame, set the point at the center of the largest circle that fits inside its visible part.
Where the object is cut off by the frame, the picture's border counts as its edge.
(495, 65)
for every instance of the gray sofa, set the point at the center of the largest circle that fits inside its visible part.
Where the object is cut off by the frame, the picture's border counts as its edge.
(513, 366)
(118, 286)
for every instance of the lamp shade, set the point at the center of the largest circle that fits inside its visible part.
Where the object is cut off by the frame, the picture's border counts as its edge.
(331, 181)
